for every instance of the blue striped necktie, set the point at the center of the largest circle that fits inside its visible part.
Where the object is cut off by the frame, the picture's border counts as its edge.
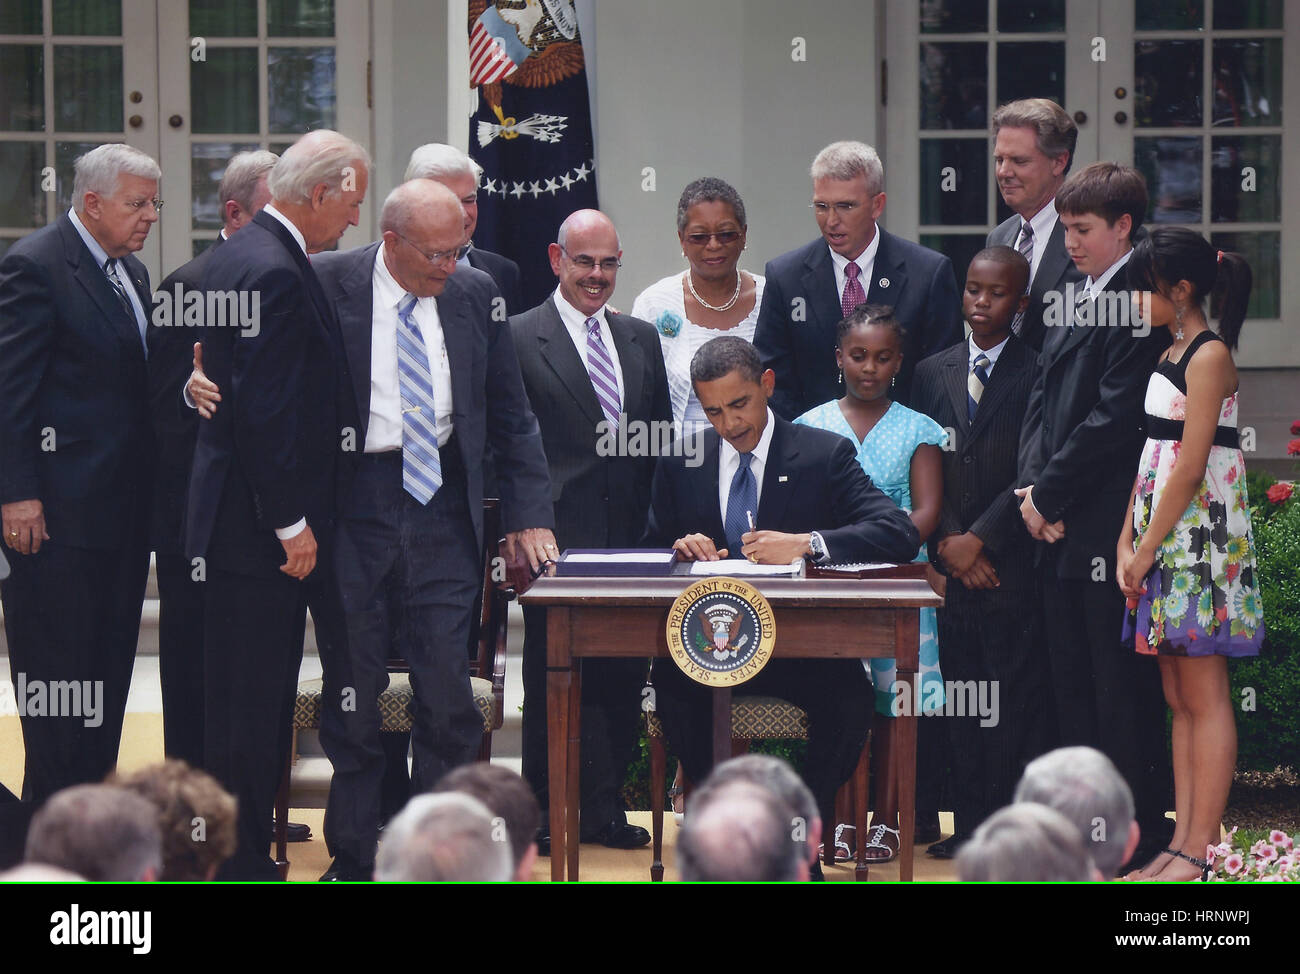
(600, 367)
(421, 463)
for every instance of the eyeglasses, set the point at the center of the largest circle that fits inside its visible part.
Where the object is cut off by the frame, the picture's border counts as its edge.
(702, 239)
(609, 265)
(137, 205)
(843, 209)
(438, 256)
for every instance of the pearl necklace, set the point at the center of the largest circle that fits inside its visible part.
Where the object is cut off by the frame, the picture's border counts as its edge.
(715, 307)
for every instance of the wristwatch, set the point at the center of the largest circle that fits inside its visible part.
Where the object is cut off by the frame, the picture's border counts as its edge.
(816, 546)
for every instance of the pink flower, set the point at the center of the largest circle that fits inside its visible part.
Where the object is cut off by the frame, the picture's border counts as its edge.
(1284, 863)
(1295, 428)
(1232, 865)
(1279, 493)
(1293, 448)
(1178, 408)
(1222, 849)
(1280, 839)
(1265, 852)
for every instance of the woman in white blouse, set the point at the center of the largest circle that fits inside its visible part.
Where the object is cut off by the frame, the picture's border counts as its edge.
(711, 297)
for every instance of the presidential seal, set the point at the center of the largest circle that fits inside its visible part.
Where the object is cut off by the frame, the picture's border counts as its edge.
(721, 632)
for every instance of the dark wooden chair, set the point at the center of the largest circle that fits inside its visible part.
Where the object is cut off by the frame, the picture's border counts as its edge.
(487, 680)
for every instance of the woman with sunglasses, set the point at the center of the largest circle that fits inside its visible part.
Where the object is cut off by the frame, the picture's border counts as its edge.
(711, 297)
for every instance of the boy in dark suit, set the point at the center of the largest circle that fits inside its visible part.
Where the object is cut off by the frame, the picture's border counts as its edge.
(811, 500)
(989, 630)
(1079, 448)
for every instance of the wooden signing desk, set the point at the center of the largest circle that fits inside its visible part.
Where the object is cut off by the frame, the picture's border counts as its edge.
(626, 617)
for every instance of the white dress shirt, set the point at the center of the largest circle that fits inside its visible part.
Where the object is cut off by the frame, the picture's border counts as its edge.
(1095, 288)
(575, 323)
(1042, 223)
(384, 431)
(289, 225)
(974, 352)
(866, 262)
(729, 462)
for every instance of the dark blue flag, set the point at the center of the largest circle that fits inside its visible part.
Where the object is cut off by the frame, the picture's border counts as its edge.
(531, 132)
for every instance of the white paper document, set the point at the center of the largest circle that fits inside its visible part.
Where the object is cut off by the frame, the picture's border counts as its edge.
(742, 566)
(621, 558)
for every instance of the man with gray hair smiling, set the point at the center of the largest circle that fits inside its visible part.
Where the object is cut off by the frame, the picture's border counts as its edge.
(444, 838)
(459, 173)
(1083, 785)
(75, 459)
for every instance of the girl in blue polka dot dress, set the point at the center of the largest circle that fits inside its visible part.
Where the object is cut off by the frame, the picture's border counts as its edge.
(900, 451)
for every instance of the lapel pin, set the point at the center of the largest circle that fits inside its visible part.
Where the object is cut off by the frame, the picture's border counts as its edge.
(884, 282)
(782, 479)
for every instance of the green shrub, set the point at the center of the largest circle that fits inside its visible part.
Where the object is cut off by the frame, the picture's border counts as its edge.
(1269, 736)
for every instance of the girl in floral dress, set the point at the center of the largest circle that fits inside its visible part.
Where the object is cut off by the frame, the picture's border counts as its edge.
(1186, 559)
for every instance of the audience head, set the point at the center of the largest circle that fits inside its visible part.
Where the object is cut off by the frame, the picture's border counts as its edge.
(243, 189)
(738, 831)
(1102, 207)
(585, 257)
(733, 389)
(319, 184)
(509, 798)
(1182, 269)
(423, 226)
(996, 281)
(102, 833)
(1083, 785)
(115, 193)
(711, 228)
(869, 351)
(1025, 843)
(196, 818)
(777, 777)
(1033, 147)
(848, 196)
(446, 838)
(34, 872)
(454, 169)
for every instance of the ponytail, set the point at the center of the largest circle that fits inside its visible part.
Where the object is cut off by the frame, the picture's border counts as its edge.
(1232, 288)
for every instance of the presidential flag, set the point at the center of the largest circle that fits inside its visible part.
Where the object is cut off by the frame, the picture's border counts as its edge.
(531, 131)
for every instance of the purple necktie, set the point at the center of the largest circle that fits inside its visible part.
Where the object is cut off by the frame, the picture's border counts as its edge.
(853, 293)
(600, 367)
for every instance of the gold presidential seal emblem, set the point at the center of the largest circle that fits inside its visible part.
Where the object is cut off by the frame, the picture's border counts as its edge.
(721, 631)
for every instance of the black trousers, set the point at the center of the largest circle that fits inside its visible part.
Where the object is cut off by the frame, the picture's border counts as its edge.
(253, 640)
(836, 694)
(72, 616)
(996, 642)
(180, 655)
(611, 716)
(1107, 696)
(408, 574)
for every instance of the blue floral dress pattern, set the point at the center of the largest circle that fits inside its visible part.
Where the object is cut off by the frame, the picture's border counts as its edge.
(1202, 594)
(886, 456)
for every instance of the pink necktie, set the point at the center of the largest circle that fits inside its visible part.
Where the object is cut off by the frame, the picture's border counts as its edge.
(853, 293)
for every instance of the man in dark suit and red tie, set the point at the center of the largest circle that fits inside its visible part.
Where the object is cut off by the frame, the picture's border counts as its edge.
(809, 290)
(589, 369)
(75, 462)
(176, 427)
(809, 499)
(1033, 147)
(263, 494)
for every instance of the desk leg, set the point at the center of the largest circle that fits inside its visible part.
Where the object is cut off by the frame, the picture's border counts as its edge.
(573, 797)
(721, 724)
(559, 679)
(907, 632)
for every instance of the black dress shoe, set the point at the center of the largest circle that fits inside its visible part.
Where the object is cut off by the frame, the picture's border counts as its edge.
(295, 832)
(620, 835)
(948, 848)
(345, 869)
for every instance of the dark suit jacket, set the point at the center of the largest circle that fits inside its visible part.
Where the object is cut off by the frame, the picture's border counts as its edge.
(270, 456)
(74, 421)
(505, 272)
(1055, 270)
(488, 400)
(797, 340)
(1084, 429)
(600, 502)
(175, 425)
(979, 472)
(812, 482)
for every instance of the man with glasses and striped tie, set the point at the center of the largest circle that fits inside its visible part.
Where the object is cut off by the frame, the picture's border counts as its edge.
(590, 369)
(75, 462)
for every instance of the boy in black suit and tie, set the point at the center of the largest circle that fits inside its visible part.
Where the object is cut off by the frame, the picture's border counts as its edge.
(1079, 447)
(978, 389)
(810, 499)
